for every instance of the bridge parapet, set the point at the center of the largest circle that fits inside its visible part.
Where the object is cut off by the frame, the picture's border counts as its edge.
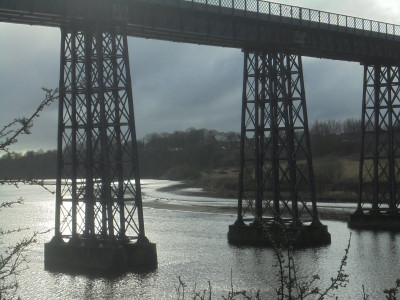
(301, 16)
(245, 24)
(285, 13)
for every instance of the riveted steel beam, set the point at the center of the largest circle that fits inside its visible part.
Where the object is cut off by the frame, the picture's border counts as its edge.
(276, 175)
(98, 182)
(245, 24)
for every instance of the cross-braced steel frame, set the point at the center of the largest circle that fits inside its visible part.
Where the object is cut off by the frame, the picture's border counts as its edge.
(276, 174)
(380, 150)
(98, 195)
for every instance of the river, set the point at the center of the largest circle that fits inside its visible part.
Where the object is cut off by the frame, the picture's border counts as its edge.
(193, 244)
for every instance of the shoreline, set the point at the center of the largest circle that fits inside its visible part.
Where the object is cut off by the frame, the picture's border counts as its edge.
(324, 213)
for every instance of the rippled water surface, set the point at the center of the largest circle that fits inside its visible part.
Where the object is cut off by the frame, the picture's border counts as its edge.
(194, 246)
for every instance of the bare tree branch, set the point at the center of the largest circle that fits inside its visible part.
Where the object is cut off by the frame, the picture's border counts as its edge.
(22, 125)
(16, 182)
(13, 259)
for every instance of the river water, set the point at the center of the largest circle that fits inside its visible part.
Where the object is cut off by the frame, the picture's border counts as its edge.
(193, 245)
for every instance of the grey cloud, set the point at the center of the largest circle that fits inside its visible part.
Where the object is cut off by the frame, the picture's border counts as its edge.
(185, 86)
(175, 86)
(333, 88)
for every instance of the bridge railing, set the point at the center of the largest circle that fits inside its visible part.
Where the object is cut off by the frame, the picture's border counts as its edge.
(295, 14)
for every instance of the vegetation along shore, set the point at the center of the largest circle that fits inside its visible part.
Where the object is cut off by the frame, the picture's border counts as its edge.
(210, 159)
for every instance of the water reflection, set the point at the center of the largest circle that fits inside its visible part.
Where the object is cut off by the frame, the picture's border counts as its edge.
(194, 246)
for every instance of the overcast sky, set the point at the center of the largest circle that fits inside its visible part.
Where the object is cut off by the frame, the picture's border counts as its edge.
(175, 85)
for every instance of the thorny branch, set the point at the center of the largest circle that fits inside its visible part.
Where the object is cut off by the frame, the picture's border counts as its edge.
(207, 294)
(290, 286)
(11, 203)
(12, 258)
(16, 182)
(341, 278)
(22, 125)
(12, 262)
(391, 293)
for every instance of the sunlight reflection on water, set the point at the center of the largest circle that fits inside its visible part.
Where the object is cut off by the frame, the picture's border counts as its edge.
(194, 246)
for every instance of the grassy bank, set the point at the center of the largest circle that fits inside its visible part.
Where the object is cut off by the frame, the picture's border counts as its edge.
(336, 179)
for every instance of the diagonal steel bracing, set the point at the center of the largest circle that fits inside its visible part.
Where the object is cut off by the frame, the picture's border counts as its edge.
(276, 175)
(98, 185)
(380, 151)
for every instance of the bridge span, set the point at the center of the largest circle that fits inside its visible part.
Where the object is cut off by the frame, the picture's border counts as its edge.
(244, 24)
(98, 198)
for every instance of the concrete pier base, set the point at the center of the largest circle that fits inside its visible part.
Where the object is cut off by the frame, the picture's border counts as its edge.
(300, 236)
(384, 222)
(100, 259)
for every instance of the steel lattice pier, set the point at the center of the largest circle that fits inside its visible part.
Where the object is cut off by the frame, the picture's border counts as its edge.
(98, 194)
(276, 184)
(379, 198)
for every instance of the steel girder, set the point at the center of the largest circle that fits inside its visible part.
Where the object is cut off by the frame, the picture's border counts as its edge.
(276, 175)
(380, 151)
(98, 193)
(258, 25)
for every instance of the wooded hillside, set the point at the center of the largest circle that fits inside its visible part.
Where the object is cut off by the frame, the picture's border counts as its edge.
(210, 158)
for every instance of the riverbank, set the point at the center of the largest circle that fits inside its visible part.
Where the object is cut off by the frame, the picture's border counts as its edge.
(326, 211)
(336, 180)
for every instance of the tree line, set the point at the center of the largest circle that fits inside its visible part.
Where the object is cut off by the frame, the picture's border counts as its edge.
(334, 137)
(185, 154)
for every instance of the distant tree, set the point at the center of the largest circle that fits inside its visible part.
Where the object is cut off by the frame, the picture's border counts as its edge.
(333, 137)
(184, 155)
(37, 165)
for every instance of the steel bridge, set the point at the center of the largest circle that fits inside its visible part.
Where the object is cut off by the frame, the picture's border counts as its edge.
(245, 24)
(98, 183)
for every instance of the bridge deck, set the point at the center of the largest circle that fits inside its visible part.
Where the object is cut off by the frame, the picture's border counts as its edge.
(246, 24)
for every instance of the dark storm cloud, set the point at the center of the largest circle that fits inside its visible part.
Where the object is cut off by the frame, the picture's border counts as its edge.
(333, 89)
(175, 86)
(180, 86)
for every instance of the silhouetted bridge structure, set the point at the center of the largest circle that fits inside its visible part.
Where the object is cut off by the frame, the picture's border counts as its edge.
(245, 24)
(98, 197)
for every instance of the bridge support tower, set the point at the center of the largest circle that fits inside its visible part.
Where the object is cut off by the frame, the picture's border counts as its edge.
(379, 173)
(276, 185)
(99, 223)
